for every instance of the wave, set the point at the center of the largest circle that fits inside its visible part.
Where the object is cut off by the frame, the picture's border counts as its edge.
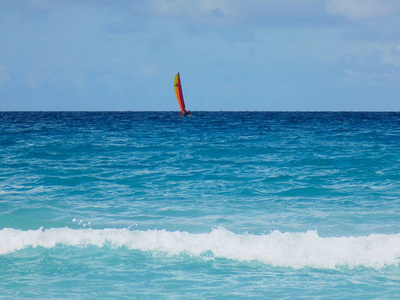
(296, 250)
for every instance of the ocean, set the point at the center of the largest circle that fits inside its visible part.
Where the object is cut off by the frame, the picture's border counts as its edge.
(220, 205)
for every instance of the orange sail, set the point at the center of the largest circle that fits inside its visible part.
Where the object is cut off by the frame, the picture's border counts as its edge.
(179, 94)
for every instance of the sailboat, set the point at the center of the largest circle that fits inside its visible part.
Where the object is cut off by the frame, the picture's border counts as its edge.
(179, 96)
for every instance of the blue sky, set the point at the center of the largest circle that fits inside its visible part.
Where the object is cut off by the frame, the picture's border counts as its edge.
(232, 54)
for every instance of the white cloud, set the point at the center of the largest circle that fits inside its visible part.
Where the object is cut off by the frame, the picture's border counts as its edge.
(363, 9)
(352, 74)
(197, 10)
(217, 11)
(4, 75)
(390, 54)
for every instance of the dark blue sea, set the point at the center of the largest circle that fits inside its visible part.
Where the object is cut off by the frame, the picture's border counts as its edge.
(220, 205)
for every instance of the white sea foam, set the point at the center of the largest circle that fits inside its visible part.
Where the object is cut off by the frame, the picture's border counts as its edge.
(295, 250)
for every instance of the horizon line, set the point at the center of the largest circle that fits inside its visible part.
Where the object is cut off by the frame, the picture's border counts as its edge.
(201, 111)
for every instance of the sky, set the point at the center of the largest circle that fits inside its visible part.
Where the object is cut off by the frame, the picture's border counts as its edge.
(233, 55)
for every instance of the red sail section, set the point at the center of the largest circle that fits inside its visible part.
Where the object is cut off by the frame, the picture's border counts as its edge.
(179, 94)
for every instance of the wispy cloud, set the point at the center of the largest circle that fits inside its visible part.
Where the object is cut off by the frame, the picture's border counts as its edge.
(236, 11)
(390, 54)
(363, 9)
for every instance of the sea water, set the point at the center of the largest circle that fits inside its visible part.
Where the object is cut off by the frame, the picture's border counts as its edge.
(221, 205)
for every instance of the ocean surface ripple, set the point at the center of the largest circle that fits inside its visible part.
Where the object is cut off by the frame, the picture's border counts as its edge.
(221, 204)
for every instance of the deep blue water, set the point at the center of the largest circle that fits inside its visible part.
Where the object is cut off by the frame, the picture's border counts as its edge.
(219, 205)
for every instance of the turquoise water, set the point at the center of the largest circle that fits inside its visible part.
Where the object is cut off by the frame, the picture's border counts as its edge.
(219, 205)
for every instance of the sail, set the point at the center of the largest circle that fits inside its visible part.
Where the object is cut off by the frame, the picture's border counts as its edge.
(178, 92)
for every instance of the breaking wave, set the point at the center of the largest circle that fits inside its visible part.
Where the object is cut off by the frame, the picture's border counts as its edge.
(296, 250)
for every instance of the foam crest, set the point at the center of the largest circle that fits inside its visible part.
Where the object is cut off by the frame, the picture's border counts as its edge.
(295, 250)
